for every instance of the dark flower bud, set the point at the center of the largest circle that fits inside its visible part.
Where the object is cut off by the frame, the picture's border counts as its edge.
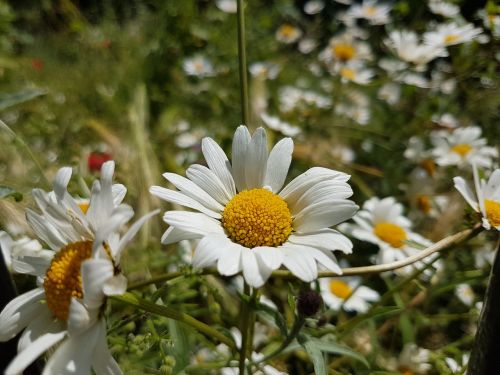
(309, 302)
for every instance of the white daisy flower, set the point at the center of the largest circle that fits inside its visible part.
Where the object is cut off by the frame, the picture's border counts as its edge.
(382, 223)
(228, 6)
(294, 98)
(245, 219)
(450, 34)
(198, 66)
(288, 33)
(390, 93)
(356, 73)
(75, 276)
(344, 48)
(313, 6)
(11, 249)
(487, 198)
(462, 147)
(279, 125)
(267, 70)
(307, 45)
(446, 120)
(347, 293)
(443, 8)
(414, 360)
(465, 294)
(375, 14)
(406, 45)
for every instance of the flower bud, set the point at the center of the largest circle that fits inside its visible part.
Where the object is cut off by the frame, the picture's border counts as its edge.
(309, 302)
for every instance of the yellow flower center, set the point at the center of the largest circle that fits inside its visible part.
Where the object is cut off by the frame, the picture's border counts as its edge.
(257, 217)
(369, 11)
(424, 203)
(63, 279)
(84, 206)
(287, 31)
(340, 289)
(450, 38)
(348, 73)
(344, 51)
(492, 212)
(393, 234)
(462, 149)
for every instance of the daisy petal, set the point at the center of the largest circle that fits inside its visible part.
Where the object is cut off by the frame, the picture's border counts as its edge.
(44, 230)
(209, 182)
(95, 272)
(256, 163)
(119, 191)
(217, 161)
(300, 264)
(325, 239)
(324, 215)
(278, 164)
(208, 250)
(466, 192)
(174, 234)
(33, 265)
(272, 257)
(229, 262)
(240, 143)
(193, 222)
(253, 272)
(176, 197)
(115, 286)
(102, 361)
(42, 324)
(321, 192)
(79, 318)
(61, 182)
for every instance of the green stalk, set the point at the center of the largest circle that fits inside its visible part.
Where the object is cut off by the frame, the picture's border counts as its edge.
(168, 312)
(245, 323)
(242, 58)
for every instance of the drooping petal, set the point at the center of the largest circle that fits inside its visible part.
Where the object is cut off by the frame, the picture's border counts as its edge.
(229, 262)
(217, 161)
(272, 257)
(115, 286)
(44, 230)
(241, 140)
(35, 264)
(278, 164)
(79, 318)
(119, 191)
(61, 182)
(43, 323)
(255, 274)
(256, 160)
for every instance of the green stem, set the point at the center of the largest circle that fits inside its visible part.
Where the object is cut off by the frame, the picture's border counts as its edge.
(242, 58)
(168, 312)
(245, 323)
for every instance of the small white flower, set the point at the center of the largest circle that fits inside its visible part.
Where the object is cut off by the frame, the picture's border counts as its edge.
(293, 98)
(307, 45)
(415, 360)
(455, 367)
(266, 70)
(446, 120)
(464, 146)
(487, 198)
(347, 293)
(390, 92)
(345, 48)
(406, 45)
(313, 6)
(465, 294)
(375, 14)
(247, 222)
(198, 66)
(450, 34)
(288, 33)
(356, 73)
(228, 6)
(280, 126)
(443, 8)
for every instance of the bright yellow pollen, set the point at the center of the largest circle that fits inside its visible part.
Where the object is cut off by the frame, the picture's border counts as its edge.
(340, 289)
(344, 51)
(450, 38)
(492, 212)
(462, 149)
(393, 234)
(257, 217)
(63, 279)
(84, 206)
(348, 73)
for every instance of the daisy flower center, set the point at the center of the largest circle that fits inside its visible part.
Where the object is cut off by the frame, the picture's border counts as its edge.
(344, 51)
(492, 212)
(393, 234)
(340, 289)
(462, 149)
(63, 279)
(348, 73)
(287, 31)
(450, 38)
(257, 217)
(84, 206)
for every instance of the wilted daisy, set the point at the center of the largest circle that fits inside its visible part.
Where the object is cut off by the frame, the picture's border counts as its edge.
(487, 198)
(450, 34)
(198, 66)
(382, 223)
(288, 33)
(279, 125)
(347, 293)
(75, 277)
(443, 8)
(462, 147)
(375, 13)
(245, 219)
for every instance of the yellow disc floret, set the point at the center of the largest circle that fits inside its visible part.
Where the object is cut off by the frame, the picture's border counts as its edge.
(391, 233)
(257, 217)
(63, 279)
(450, 38)
(492, 212)
(340, 289)
(462, 149)
(348, 73)
(344, 51)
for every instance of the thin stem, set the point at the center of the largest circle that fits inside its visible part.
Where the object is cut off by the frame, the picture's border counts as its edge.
(246, 322)
(242, 58)
(168, 312)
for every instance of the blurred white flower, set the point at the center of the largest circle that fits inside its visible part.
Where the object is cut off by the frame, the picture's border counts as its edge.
(266, 70)
(356, 73)
(279, 125)
(344, 48)
(347, 293)
(375, 13)
(446, 120)
(465, 294)
(228, 6)
(390, 93)
(288, 33)
(406, 45)
(443, 8)
(450, 34)
(313, 6)
(198, 66)
(455, 367)
(307, 45)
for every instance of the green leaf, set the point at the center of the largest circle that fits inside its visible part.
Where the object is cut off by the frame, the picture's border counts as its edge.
(6, 192)
(272, 315)
(316, 356)
(336, 348)
(10, 100)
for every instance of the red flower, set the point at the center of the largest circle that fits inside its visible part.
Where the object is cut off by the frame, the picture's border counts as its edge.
(96, 160)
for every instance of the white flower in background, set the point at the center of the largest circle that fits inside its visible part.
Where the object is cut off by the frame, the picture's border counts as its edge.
(390, 93)
(382, 223)
(491, 21)
(288, 33)
(266, 70)
(487, 198)
(455, 367)
(465, 294)
(356, 73)
(11, 248)
(75, 276)
(245, 219)
(228, 6)
(294, 98)
(443, 8)
(375, 14)
(484, 256)
(345, 48)
(416, 149)
(307, 45)
(357, 108)
(198, 66)
(462, 147)
(414, 360)
(343, 153)
(345, 2)
(406, 45)
(279, 125)
(392, 66)
(413, 79)
(313, 6)
(450, 34)
(347, 293)
(440, 83)
(446, 120)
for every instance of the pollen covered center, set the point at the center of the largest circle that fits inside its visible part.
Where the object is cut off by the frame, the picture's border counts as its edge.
(462, 149)
(63, 279)
(344, 51)
(391, 233)
(492, 209)
(257, 217)
(340, 289)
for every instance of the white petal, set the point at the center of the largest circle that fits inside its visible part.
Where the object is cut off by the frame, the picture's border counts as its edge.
(229, 262)
(256, 160)
(33, 265)
(479, 190)
(174, 235)
(37, 347)
(217, 161)
(327, 261)
(300, 264)
(322, 192)
(20, 312)
(253, 272)
(79, 318)
(241, 140)
(44, 230)
(192, 190)
(181, 199)
(102, 361)
(208, 181)
(324, 215)
(42, 324)
(95, 272)
(272, 257)
(193, 222)
(325, 239)
(119, 191)
(115, 286)
(278, 164)
(61, 182)
(208, 250)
